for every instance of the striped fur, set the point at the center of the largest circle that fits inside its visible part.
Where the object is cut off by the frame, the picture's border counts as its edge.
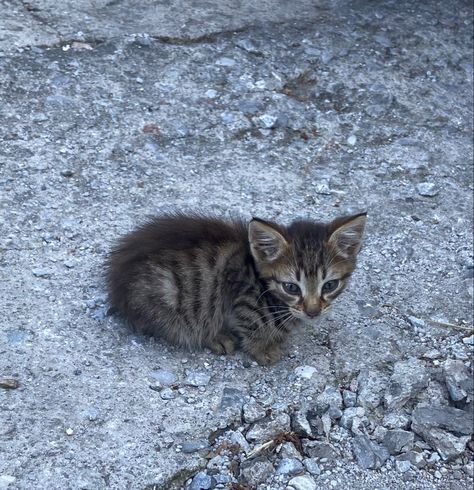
(204, 282)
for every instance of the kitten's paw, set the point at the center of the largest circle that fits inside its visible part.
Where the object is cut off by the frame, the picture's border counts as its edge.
(223, 344)
(270, 355)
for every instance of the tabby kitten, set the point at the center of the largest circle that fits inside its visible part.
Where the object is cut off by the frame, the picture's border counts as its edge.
(205, 282)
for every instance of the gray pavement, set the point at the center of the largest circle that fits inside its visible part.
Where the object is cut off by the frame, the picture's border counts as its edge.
(114, 111)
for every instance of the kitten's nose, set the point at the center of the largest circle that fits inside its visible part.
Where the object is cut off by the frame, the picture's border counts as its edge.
(313, 312)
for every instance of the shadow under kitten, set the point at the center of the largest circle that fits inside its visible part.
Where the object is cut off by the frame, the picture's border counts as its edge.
(200, 281)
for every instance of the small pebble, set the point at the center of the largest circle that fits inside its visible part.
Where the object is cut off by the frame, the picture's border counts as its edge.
(383, 41)
(432, 354)
(69, 431)
(304, 482)
(211, 93)
(202, 481)
(253, 411)
(312, 51)
(402, 466)
(228, 62)
(189, 447)
(9, 383)
(168, 394)
(427, 189)
(41, 272)
(434, 458)
(289, 466)
(352, 140)
(312, 466)
(468, 340)
(40, 117)
(91, 413)
(267, 121)
(248, 46)
(305, 372)
(349, 398)
(195, 378)
(164, 377)
(326, 56)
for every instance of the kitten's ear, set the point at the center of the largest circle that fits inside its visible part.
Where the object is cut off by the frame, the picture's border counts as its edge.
(266, 242)
(346, 234)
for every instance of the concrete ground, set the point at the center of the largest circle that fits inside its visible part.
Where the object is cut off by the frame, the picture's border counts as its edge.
(112, 111)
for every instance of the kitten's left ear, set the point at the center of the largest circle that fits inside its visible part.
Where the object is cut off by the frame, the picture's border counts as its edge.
(346, 234)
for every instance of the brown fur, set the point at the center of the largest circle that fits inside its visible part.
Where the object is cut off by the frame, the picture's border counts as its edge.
(204, 282)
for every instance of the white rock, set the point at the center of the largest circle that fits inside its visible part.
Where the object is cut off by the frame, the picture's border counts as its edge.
(267, 121)
(352, 140)
(312, 466)
(211, 94)
(225, 62)
(402, 466)
(468, 340)
(304, 482)
(432, 354)
(253, 411)
(427, 189)
(305, 371)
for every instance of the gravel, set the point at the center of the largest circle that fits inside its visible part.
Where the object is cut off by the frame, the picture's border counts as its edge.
(372, 385)
(319, 450)
(446, 429)
(256, 471)
(266, 429)
(289, 466)
(408, 379)
(458, 380)
(202, 481)
(300, 424)
(312, 466)
(253, 411)
(197, 379)
(253, 112)
(369, 455)
(398, 441)
(349, 398)
(427, 189)
(304, 482)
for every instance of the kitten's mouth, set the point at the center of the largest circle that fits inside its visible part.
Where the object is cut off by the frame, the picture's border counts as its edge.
(313, 318)
(301, 315)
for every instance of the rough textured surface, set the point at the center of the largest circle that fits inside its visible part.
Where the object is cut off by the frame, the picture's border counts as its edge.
(368, 454)
(115, 110)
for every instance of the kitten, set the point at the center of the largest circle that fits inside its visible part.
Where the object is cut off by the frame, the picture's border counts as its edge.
(205, 282)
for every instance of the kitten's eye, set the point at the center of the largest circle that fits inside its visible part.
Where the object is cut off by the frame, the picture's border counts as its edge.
(291, 288)
(330, 286)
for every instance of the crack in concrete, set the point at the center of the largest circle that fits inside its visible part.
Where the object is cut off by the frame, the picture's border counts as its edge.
(203, 39)
(94, 42)
(33, 12)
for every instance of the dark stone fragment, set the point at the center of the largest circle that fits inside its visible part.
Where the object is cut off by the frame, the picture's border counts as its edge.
(368, 454)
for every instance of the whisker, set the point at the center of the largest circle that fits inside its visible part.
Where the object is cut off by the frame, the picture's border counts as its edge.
(273, 320)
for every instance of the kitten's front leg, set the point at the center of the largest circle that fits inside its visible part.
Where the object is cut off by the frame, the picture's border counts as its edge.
(260, 336)
(268, 355)
(224, 343)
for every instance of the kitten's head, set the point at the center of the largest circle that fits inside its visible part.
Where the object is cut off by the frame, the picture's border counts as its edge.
(306, 265)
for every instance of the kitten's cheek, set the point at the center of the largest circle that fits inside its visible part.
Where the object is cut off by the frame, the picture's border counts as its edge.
(298, 314)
